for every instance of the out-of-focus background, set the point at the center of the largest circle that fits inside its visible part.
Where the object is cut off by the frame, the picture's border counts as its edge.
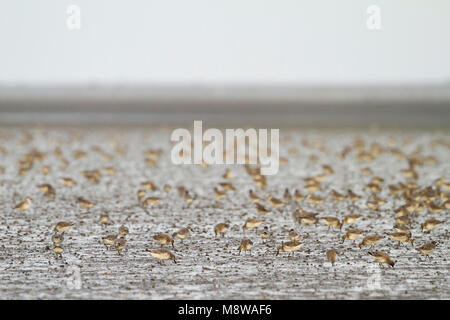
(295, 62)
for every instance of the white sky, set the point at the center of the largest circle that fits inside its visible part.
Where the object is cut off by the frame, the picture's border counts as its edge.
(224, 42)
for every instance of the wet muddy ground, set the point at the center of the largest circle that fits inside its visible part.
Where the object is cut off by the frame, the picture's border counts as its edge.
(209, 267)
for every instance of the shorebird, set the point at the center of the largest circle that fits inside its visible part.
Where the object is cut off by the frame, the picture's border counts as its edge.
(394, 190)
(370, 241)
(119, 244)
(58, 250)
(109, 170)
(410, 173)
(293, 235)
(331, 222)
(219, 194)
(401, 212)
(78, 154)
(408, 208)
(92, 176)
(401, 237)
(221, 228)
(332, 256)
(167, 188)
(265, 233)
(402, 228)
(245, 245)
(24, 205)
(62, 226)
(307, 220)
(45, 188)
(290, 246)
(104, 219)
(149, 185)
(23, 171)
(378, 200)
(253, 196)
(228, 174)
(434, 208)
(314, 200)
(327, 169)
(365, 156)
(287, 196)
(352, 235)
(227, 186)
(140, 194)
(150, 162)
(153, 153)
(187, 197)
(260, 181)
(274, 202)
(163, 239)
(299, 213)
(252, 223)
(182, 233)
(431, 224)
(109, 240)
(261, 209)
(337, 196)
(57, 238)
(377, 180)
(181, 191)
(68, 182)
(382, 257)
(150, 201)
(162, 254)
(85, 204)
(447, 204)
(427, 249)
(123, 230)
(372, 205)
(351, 218)
(403, 221)
(298, 196)
(373, 187)
(366, 171)
(353, 196)
(439, 181)
(310, 180)
(320, 177)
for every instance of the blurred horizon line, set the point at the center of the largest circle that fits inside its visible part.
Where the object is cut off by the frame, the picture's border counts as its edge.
(320, 106)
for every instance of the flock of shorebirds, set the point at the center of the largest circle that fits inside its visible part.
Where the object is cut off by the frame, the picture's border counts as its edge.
(418, 204)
